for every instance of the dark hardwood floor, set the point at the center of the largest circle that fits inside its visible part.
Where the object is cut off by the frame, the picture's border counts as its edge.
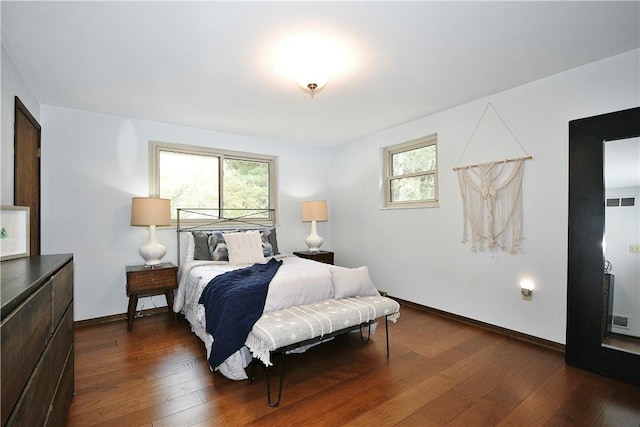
(440, 372)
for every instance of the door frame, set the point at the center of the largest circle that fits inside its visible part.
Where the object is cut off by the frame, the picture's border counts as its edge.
(34, 220)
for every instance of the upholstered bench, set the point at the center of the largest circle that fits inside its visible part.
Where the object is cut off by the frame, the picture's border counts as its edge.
(287, 329)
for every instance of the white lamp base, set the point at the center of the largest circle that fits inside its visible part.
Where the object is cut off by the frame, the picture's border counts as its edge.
(153, 251)
(313, 240)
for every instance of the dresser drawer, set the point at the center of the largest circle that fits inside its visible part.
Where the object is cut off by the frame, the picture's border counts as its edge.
(58, 415)
(61, 343)
(62, 291)
(24, 335)
(33, 406)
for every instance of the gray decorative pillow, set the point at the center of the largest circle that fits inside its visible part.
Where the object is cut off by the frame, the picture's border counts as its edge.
(216, 238)
(201, 246)
(269, 242)
(221, 253)
(218, 247)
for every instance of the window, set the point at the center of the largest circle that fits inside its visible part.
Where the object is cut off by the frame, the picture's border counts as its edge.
(200, 177)
(411, 174)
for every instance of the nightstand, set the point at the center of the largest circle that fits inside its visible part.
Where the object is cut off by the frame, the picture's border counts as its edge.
(146, 281)
(320, 256)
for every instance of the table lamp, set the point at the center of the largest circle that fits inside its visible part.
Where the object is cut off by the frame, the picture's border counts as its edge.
(314, 210)
(151, 212)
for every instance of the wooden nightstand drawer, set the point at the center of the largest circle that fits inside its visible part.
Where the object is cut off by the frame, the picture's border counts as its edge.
(140, 279)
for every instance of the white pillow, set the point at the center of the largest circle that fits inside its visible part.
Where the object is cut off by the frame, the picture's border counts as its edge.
(352, 282)
(244, 248)
(191, 247)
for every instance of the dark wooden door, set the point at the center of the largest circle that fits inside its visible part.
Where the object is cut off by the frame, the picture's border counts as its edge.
(27, 169)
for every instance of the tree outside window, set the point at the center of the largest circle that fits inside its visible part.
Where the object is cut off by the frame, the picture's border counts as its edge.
(233, 183)
(411, 178)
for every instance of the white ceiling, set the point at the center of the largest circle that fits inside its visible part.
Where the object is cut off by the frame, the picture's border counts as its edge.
(206, 65)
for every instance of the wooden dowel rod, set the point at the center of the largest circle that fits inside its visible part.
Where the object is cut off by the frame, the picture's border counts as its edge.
(501, 161)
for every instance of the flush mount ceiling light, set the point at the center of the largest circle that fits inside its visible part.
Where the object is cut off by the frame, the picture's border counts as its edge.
(311, 60)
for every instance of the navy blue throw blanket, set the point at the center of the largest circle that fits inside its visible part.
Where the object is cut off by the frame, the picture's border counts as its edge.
(233, 302)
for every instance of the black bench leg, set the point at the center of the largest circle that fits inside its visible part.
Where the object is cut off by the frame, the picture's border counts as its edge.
(368, 333)
(277, 402)
(252, 374)
(386, 330)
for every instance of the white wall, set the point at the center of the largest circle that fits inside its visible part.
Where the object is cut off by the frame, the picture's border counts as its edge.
(622, 228)
(92, 164)
(417, 254)
(12, 85)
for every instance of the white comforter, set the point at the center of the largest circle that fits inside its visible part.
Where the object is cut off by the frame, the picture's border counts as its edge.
(299, 281)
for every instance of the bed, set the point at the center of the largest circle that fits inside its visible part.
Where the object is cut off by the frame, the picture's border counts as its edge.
(298, 281)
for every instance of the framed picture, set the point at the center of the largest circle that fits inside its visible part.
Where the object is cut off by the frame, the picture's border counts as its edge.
(14, 232)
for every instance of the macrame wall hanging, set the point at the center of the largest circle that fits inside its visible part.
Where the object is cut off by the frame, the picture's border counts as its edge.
(492, 190)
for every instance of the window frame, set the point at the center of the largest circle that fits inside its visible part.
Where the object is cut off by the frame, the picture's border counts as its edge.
(155, 147)
(388, 153)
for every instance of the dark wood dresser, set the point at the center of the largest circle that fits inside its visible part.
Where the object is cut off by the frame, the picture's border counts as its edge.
(37, 340)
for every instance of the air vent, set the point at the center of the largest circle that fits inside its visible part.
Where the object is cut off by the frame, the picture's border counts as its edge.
(623, 201)
(621, 321)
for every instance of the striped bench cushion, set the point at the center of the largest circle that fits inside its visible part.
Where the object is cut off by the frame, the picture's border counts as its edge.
(297, 324)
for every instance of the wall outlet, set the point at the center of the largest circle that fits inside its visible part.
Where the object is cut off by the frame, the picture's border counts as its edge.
(634, 249)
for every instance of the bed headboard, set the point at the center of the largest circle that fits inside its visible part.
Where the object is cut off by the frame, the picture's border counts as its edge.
(221, 219)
